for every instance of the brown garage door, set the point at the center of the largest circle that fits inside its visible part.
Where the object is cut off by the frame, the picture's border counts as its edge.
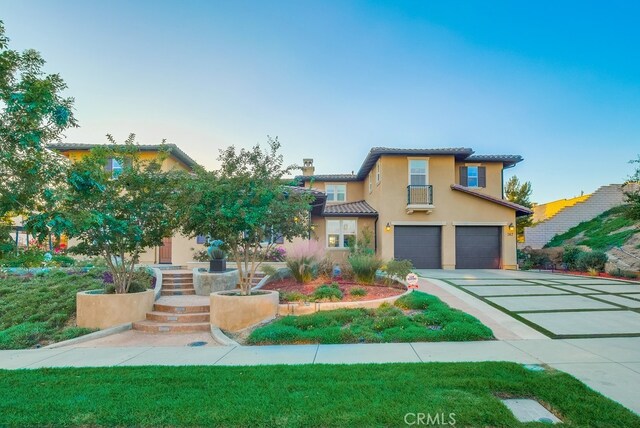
(478, 247)
(420, 244)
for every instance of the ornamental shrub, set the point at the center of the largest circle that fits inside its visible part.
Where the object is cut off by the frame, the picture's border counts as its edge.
(397, 269)
(593, 260)
(364, 267)
(328, 293)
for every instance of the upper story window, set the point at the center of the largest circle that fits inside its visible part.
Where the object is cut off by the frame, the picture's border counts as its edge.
(341, 233)
(473, 176)
(378, 173)
(336, 192)
(370, 183)
(417, 172)
(114, 166)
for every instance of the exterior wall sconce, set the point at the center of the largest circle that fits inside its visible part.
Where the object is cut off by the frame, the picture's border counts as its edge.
(388, 227)
(511, 227)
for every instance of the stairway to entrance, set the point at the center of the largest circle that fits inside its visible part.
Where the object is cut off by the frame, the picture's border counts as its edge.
(178, 310)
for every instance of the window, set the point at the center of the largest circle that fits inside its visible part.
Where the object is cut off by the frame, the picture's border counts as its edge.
(378, 173)
(336, 192)
(341, 233)
(472, 176)
(370, 183)
(417, 172)
(114, 166)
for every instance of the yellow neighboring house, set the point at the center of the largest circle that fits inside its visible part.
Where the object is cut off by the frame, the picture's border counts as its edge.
(177, 249)
(440, 208)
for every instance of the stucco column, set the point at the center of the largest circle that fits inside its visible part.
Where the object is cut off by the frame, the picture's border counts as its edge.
(448, 246)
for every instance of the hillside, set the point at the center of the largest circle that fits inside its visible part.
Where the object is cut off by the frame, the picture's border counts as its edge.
(607, 232)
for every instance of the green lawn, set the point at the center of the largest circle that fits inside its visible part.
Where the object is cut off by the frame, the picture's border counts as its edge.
(306, 395)
(428, 320)
(37, 310)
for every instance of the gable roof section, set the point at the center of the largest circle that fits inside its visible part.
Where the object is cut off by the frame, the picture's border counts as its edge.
(520, 210)
(173, 149)
(507, 160)
(350, 209)
(460, 153)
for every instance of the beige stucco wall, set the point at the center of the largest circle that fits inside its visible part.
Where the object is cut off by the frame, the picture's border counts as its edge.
(494, 177)
(108, 310)
(232, 312)
(170, 163)
(451, 208)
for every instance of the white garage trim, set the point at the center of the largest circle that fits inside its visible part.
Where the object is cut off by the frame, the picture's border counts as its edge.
(480, 223)
(419, 223)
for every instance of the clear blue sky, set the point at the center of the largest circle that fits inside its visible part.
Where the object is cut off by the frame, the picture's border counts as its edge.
(556, 82)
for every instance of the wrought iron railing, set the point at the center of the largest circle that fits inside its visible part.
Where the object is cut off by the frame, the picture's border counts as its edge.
(420, 195)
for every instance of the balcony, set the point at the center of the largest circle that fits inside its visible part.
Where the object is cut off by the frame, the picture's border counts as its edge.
(420, 198)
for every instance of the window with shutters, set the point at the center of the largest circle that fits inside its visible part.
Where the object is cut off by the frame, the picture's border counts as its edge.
(473, 176)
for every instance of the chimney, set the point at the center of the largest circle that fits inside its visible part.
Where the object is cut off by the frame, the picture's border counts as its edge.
(307, 167)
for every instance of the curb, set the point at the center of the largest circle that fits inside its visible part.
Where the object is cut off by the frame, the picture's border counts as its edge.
(221, 338)
(96, 335)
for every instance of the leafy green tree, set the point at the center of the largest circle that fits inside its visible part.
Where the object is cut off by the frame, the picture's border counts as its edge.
(114, 216)
(520, 193)
(633, 193)
(33, 113)
(245, 204)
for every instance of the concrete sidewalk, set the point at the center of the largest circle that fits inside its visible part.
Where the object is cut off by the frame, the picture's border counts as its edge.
(610, 366)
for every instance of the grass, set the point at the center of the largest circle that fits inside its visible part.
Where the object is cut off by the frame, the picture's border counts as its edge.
(37, 309)
(428, 320)
(600, 233)
(305, 395)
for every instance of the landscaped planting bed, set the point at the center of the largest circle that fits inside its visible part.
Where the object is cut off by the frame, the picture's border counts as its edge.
(363, 395)
(415, 317)
(320, 290)
(40, 309)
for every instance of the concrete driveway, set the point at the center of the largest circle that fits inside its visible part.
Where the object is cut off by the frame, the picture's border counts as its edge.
(559, 306)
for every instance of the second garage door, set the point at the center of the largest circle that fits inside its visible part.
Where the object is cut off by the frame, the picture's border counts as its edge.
(478, 247)
(420, 244)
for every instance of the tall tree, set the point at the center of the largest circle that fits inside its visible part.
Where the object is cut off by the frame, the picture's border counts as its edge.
(33, 113)
(245, 204)
(520, 193)
(114, 216)
(633, 191)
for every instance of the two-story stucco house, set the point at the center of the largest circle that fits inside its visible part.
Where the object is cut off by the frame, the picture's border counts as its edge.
(439, 208)
(177, 249)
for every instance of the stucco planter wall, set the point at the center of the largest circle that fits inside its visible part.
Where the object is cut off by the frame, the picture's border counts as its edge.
(232, 312)
(95, 310)
(206, 283)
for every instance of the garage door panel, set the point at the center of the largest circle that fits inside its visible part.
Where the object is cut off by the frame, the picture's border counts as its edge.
(420, 244)
(478, 247)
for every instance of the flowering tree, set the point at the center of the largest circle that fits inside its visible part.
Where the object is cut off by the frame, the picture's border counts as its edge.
(114, 216)
(245, 204)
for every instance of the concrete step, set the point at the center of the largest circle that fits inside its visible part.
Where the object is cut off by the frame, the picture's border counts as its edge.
(156, 327)
(179, 286)
(182, 292)
(167, 317)
(173, 309)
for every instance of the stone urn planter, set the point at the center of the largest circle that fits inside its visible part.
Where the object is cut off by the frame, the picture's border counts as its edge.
(233, 312)
(206, 283)
(94, 309)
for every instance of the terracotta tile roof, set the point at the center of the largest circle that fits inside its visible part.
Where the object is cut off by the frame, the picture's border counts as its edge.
(358, 208)
(520, 210)
(327, 177)
(508, 160)
(175, 150)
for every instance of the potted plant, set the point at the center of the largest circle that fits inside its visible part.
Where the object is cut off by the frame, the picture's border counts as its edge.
(217, 259)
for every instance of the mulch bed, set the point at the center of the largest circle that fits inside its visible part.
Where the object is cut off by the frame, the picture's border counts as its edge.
(376, 291)
(600, 275)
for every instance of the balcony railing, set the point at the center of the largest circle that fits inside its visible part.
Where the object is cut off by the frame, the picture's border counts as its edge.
(420, 195)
